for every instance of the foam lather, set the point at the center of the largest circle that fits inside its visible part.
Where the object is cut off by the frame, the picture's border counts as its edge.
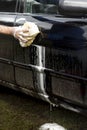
(32, 33)
(51, 126)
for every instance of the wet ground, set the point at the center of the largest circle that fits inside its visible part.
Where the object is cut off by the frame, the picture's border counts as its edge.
(21, 112)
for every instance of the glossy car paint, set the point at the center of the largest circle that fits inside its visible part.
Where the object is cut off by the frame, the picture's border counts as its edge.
(54, 67)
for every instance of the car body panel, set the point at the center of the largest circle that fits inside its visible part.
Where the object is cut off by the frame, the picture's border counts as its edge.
(54, 67)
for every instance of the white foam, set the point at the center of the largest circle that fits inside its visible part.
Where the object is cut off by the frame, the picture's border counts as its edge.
(51, 126)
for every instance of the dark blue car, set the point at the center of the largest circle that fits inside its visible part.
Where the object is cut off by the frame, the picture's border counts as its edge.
(54, 67)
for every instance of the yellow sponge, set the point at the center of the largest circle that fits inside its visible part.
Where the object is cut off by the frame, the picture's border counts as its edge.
(32, 33)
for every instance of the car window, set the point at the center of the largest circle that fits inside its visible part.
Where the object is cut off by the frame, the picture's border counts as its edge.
(11, 5)
(42, 6)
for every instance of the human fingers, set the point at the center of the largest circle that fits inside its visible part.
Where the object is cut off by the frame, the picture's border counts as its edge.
(22, 39)
(23, 34)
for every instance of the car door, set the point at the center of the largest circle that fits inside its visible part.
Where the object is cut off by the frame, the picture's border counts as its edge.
(32, 58)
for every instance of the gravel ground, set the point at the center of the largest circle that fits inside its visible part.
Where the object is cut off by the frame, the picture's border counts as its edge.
(21, 112)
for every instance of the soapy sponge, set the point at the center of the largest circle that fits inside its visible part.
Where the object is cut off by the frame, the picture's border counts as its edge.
(31, 34)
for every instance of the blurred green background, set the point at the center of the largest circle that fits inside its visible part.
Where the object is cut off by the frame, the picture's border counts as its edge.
(22, 112)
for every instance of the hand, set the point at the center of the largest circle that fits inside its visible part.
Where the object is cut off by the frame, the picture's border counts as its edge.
(26, 33)
(21, 34)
